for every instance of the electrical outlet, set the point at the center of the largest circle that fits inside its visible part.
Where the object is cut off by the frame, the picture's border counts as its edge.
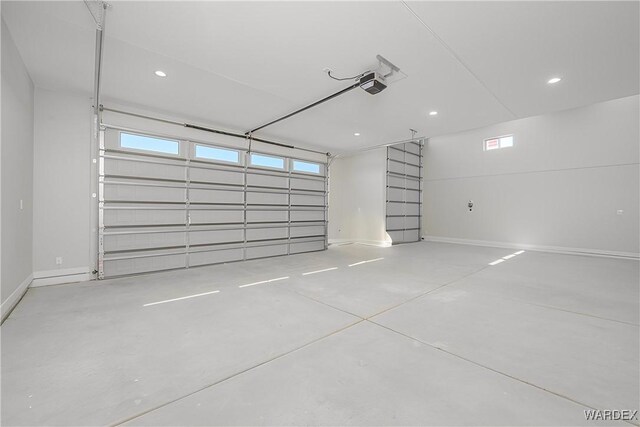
(59, 260)
(619, 212)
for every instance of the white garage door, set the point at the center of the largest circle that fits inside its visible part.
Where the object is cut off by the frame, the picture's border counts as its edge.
(172, 203)
(404, 192)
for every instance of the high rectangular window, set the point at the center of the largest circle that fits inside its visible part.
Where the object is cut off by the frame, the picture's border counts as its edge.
(149, 143)
(300, 166)
(267, 161)
(498, 142)
(220, 154)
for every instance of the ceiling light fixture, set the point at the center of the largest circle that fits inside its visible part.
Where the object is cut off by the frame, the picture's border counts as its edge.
(433, 113)
(554, 80)
(356, 134)
(161, 73)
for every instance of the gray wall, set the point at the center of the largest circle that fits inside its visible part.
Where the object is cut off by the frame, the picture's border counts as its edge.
(16, 176)
(559, 187)
(357, 197)
(62, 184)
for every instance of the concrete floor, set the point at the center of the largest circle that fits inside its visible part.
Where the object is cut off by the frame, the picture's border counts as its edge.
(430, 334)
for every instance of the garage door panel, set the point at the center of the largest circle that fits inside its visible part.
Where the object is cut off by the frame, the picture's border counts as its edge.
(411, 236)
(412, 196)
(143, 193)
(412, 222)
(216, 176)
(266, 251)
(307, 200)
(143, 240)
(260, 180)
(300, 215)
(394, 223)
(144, 169)
(412, 170)
(207, 237)
(396, 155)
(395, 181)
(412, 148)
(201, 195)
(395, 208)
(307, 184)
(413, 184)
(213, 216)
(396, 167)
(254, 216)
(267, 233)
(396, 236)
(197, 258)
(121, 267)
(412, 209)
(395, 194)
(413, 159)
(132, 217)
(313, 230)
(267, 198)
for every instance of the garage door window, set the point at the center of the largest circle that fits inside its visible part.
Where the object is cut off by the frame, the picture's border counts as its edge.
(219, 154)
(299, 166)
(148, 143)
(267, 161)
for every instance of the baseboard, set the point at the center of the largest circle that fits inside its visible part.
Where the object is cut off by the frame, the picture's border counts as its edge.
(14, 298)
(538, 248)
(58, 277)
(378, 243)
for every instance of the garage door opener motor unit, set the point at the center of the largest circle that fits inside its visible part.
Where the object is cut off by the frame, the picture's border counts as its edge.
(373, 83)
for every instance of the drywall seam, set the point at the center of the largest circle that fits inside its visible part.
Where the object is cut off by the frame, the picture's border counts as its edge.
(458, 58)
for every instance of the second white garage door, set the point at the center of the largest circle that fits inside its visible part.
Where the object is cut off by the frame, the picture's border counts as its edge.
(404, 192)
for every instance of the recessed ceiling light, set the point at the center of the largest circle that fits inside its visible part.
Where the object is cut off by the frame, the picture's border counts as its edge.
(433, 113)
(554, 80)
(161, 73)
(356, 134)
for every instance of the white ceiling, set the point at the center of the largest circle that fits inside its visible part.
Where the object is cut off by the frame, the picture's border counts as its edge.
(237, 65)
